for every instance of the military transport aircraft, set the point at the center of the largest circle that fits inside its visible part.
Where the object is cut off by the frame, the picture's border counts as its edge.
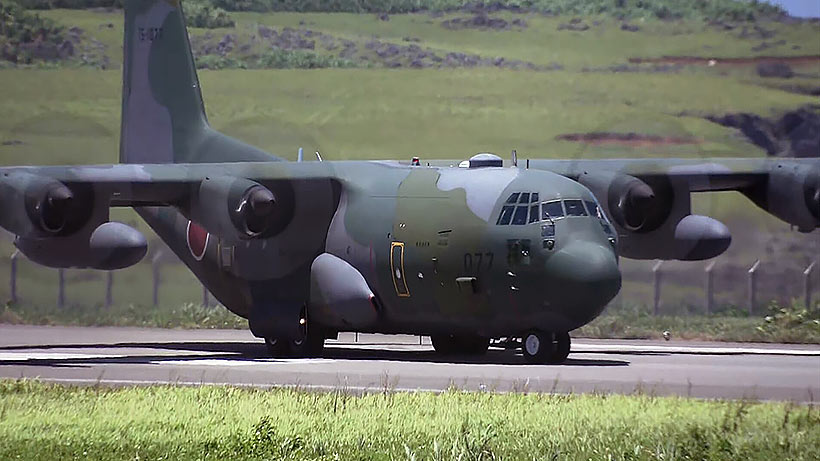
(305, 250)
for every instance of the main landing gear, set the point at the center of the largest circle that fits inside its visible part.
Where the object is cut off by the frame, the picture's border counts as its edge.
(545, 346)
(460, 344)
(311, 342)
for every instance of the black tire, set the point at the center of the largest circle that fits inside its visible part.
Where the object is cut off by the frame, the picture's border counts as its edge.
(536, 346)
(562, 347)
(443, 344)
(460, 344)
(311, 344)
(474, 345)
(277, 348)
(545, 347)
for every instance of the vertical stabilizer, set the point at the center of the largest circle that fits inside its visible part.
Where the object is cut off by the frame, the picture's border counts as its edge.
(163, 116)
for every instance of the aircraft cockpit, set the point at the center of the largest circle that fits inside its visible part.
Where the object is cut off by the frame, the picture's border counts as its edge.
(524, 208)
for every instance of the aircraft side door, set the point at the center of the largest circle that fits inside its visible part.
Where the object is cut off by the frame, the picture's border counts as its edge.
(397, 269)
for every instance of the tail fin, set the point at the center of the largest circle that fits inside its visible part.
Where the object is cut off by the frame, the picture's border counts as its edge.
(163, 116)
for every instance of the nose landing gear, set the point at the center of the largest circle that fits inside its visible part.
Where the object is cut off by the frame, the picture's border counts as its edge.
(545, 347)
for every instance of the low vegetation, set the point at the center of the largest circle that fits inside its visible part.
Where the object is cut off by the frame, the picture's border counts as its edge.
(40, 421)
(26, 37)
(792, 324)
(275, 58)
(734, 10)
(206, 15)
(188, 315)
(789, 324)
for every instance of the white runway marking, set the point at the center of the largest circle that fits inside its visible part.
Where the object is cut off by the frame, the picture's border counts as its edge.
(23, 356)
(240, 362)
(711, 350)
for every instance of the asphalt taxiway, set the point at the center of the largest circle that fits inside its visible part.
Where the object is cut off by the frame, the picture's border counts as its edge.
(133, 356)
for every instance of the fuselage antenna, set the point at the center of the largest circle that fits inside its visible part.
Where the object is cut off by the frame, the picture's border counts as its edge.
(318, 156)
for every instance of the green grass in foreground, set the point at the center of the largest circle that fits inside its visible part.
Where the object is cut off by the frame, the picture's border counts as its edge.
(39, 421)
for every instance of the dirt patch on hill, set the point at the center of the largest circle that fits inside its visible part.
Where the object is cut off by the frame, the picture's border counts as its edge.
(794, 134)
(482, 20)
(626, 139)
(713, 61)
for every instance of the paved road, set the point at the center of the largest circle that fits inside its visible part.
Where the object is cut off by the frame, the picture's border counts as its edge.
(131, 356)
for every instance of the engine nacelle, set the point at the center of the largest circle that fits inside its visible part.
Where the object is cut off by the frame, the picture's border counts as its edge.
(34, 206)
(653, 220)
(632, 204)
(111, 246)
(237, 208)
(792, 193)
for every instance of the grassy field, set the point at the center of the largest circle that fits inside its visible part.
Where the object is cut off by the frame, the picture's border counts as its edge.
(70, 115)
(39, 421)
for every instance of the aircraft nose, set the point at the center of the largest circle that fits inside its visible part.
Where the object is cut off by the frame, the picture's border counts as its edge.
(586, 276)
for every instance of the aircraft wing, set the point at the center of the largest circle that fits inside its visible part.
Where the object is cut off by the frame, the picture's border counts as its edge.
(649, 200)
(701, 175)
(60, 214)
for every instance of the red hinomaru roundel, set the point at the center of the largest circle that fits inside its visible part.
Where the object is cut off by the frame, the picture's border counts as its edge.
(197, 240)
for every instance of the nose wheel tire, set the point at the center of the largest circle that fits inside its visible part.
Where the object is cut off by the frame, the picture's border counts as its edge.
(545, 347)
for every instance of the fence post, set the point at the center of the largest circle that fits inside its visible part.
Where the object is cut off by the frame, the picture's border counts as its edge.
(60, 288)
(109, 289)
(807, 284)
(656, 277)
(710, 288)
(13, 276)
(206, 300)
(155, 275)
(753, 286)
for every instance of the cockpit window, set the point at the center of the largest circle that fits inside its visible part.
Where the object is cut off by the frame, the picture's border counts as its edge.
(593, 208)
(535, 212)
(505, 216)
(523, 208)
(552, 210)
(575, 208)
(520, 216)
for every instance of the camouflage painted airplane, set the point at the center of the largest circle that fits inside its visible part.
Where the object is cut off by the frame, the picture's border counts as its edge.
(305, 250)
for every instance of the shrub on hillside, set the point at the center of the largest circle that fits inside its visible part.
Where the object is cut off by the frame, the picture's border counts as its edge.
(205, 15)
(273, 59)
(27, 37)
(731, 10)
(725, 10)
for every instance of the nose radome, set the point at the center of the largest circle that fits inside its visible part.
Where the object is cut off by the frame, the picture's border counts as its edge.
(587, 273)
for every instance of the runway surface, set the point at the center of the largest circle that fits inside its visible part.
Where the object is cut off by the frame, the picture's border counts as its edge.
(131, 356)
